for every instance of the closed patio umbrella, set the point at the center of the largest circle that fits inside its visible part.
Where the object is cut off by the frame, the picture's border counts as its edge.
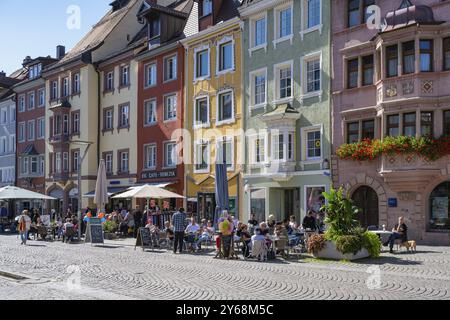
(222, 196)
(101, 188)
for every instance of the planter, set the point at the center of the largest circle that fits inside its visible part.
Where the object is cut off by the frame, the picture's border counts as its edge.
(110, 236)
(331, 252)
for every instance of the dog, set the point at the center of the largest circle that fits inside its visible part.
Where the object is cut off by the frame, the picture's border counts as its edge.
(410, 245)
(259, 250)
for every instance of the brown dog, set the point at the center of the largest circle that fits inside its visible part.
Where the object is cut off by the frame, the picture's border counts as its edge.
(410, 245)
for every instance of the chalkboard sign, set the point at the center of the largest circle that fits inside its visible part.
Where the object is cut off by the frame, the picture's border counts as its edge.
(94, 232)
(144, 239)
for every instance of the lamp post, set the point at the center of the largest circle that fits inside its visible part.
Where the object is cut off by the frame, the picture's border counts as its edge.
(80, 162)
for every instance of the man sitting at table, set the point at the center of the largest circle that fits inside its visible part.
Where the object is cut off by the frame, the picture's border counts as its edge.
(400, 231)
(309, 222)
(206, 234)
(191, 232)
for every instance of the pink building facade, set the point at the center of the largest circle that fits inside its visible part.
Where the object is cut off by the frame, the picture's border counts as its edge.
(393, 81)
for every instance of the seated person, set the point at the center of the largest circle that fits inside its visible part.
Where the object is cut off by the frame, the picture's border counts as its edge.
(154, 233)
(400, 231)
(191, 232)
(246, 238)
(288, 227)
(282, 238)
(309, 222)
(169, 231)
(205, 235)
(237, 236)
(265, 232)
(67, 226)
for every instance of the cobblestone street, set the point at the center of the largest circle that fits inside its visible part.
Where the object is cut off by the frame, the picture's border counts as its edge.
(116, 271)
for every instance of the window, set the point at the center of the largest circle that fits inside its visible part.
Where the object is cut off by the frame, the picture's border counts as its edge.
(31, 101)
(313, 75)
(150, 112)
(352, 132)
(12, 143)
(150, 156)
(4, 116)
(426, 123)
(76, 83)
(31, 130)
(12, 114)
(283, 146)
(54, 90)
(202, 156)
(207, 7)
(21, 103)
(258, 87)
(225, 109)
(3, 145)
(41, 165)
(170, 68)
(109, 163)
(150, 75)
(201, 112)
(409, 124)
(41, 128)
(75, 122)
(66, 162)
(170, 155)
(409, 57)
(108, 119)
(65, 87)
(124, 121)
(24, 165)
(368, 130)
(284, 23)
(124, 76)
(21, 132)
(426, 55)
(57, 125)
(313, 13)
(202, 64)
(439, 208)
(154, 28)
(75, 160)
(109, 81)
(314, 145)
(392, 61)
(368, 70)
(366, 13)
(354, 17)
(352, 73)
(225, 152)
(284, 81)
(259, 27)
(446, 45)
(259, 150)
(58, 162)
(447, 122)
(66, 124)
(41, 98)
(170, 107)
(226, 56)
(124, 161)
(278, 147)
(393, 125)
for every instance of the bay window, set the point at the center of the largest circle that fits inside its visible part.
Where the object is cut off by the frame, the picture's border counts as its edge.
(446, 122)
(393, 125)
(368, 130)
(409, 124)
(392, 61)
(283, 146)
(446, 46)
(409, 57)
(426, 123)
(426, 55)
(352, 73)
(368, 70)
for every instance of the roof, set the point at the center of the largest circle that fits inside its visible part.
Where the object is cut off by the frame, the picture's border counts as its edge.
(229, 10)
(177, 9)
(30, 150)
(97, 35)
(283, 111)
(409, 14)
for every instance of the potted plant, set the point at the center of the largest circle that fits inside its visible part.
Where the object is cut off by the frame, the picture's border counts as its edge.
(344, 239)
(110, 229)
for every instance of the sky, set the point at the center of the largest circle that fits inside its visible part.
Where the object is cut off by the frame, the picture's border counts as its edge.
(34, 28)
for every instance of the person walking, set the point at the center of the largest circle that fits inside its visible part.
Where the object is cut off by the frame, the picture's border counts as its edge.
(24, 226)
(178, 221)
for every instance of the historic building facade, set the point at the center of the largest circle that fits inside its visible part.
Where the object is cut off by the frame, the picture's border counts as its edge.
(77, 90)
(394, 82)
(7, 130)
(161, 94)
(213, 113)
(31, 127)
(286, 106)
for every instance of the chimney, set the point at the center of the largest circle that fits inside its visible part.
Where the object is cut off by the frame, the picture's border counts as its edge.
(26, 60)
(2, 74)
(60, 52)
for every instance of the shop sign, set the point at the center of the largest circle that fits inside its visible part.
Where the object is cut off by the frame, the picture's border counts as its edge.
(159, 174)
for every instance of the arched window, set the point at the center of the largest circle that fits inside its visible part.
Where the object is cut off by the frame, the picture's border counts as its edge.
(439, 207)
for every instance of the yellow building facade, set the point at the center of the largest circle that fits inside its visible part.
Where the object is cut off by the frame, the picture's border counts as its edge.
(213, 115)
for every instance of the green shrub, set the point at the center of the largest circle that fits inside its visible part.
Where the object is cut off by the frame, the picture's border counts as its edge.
(349, 244)
(316, 243)
(110, 227)
(372, 243)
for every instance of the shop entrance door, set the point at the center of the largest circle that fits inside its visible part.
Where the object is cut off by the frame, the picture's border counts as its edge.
(206, 206)
(366, 199)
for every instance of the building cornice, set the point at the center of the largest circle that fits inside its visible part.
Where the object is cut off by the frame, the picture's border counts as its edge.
(207, 33)
(260, 7)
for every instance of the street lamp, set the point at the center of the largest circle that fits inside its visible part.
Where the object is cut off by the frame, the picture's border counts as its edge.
(80, 162)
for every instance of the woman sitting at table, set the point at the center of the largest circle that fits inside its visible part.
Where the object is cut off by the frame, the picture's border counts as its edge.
(264, 230)
(246, 239)
(206, 234)
(191, 232)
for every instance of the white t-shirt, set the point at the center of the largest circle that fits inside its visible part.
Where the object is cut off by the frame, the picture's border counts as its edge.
(258, 238)
(192, 228)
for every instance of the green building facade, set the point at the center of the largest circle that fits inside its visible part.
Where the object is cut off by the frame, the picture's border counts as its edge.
(286, 54)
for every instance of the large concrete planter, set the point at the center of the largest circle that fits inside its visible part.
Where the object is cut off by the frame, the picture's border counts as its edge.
(331, 252)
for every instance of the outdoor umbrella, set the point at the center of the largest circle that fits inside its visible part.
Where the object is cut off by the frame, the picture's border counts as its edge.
(101, 188)
(16, 193)
(222, 196)
(148, 192)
